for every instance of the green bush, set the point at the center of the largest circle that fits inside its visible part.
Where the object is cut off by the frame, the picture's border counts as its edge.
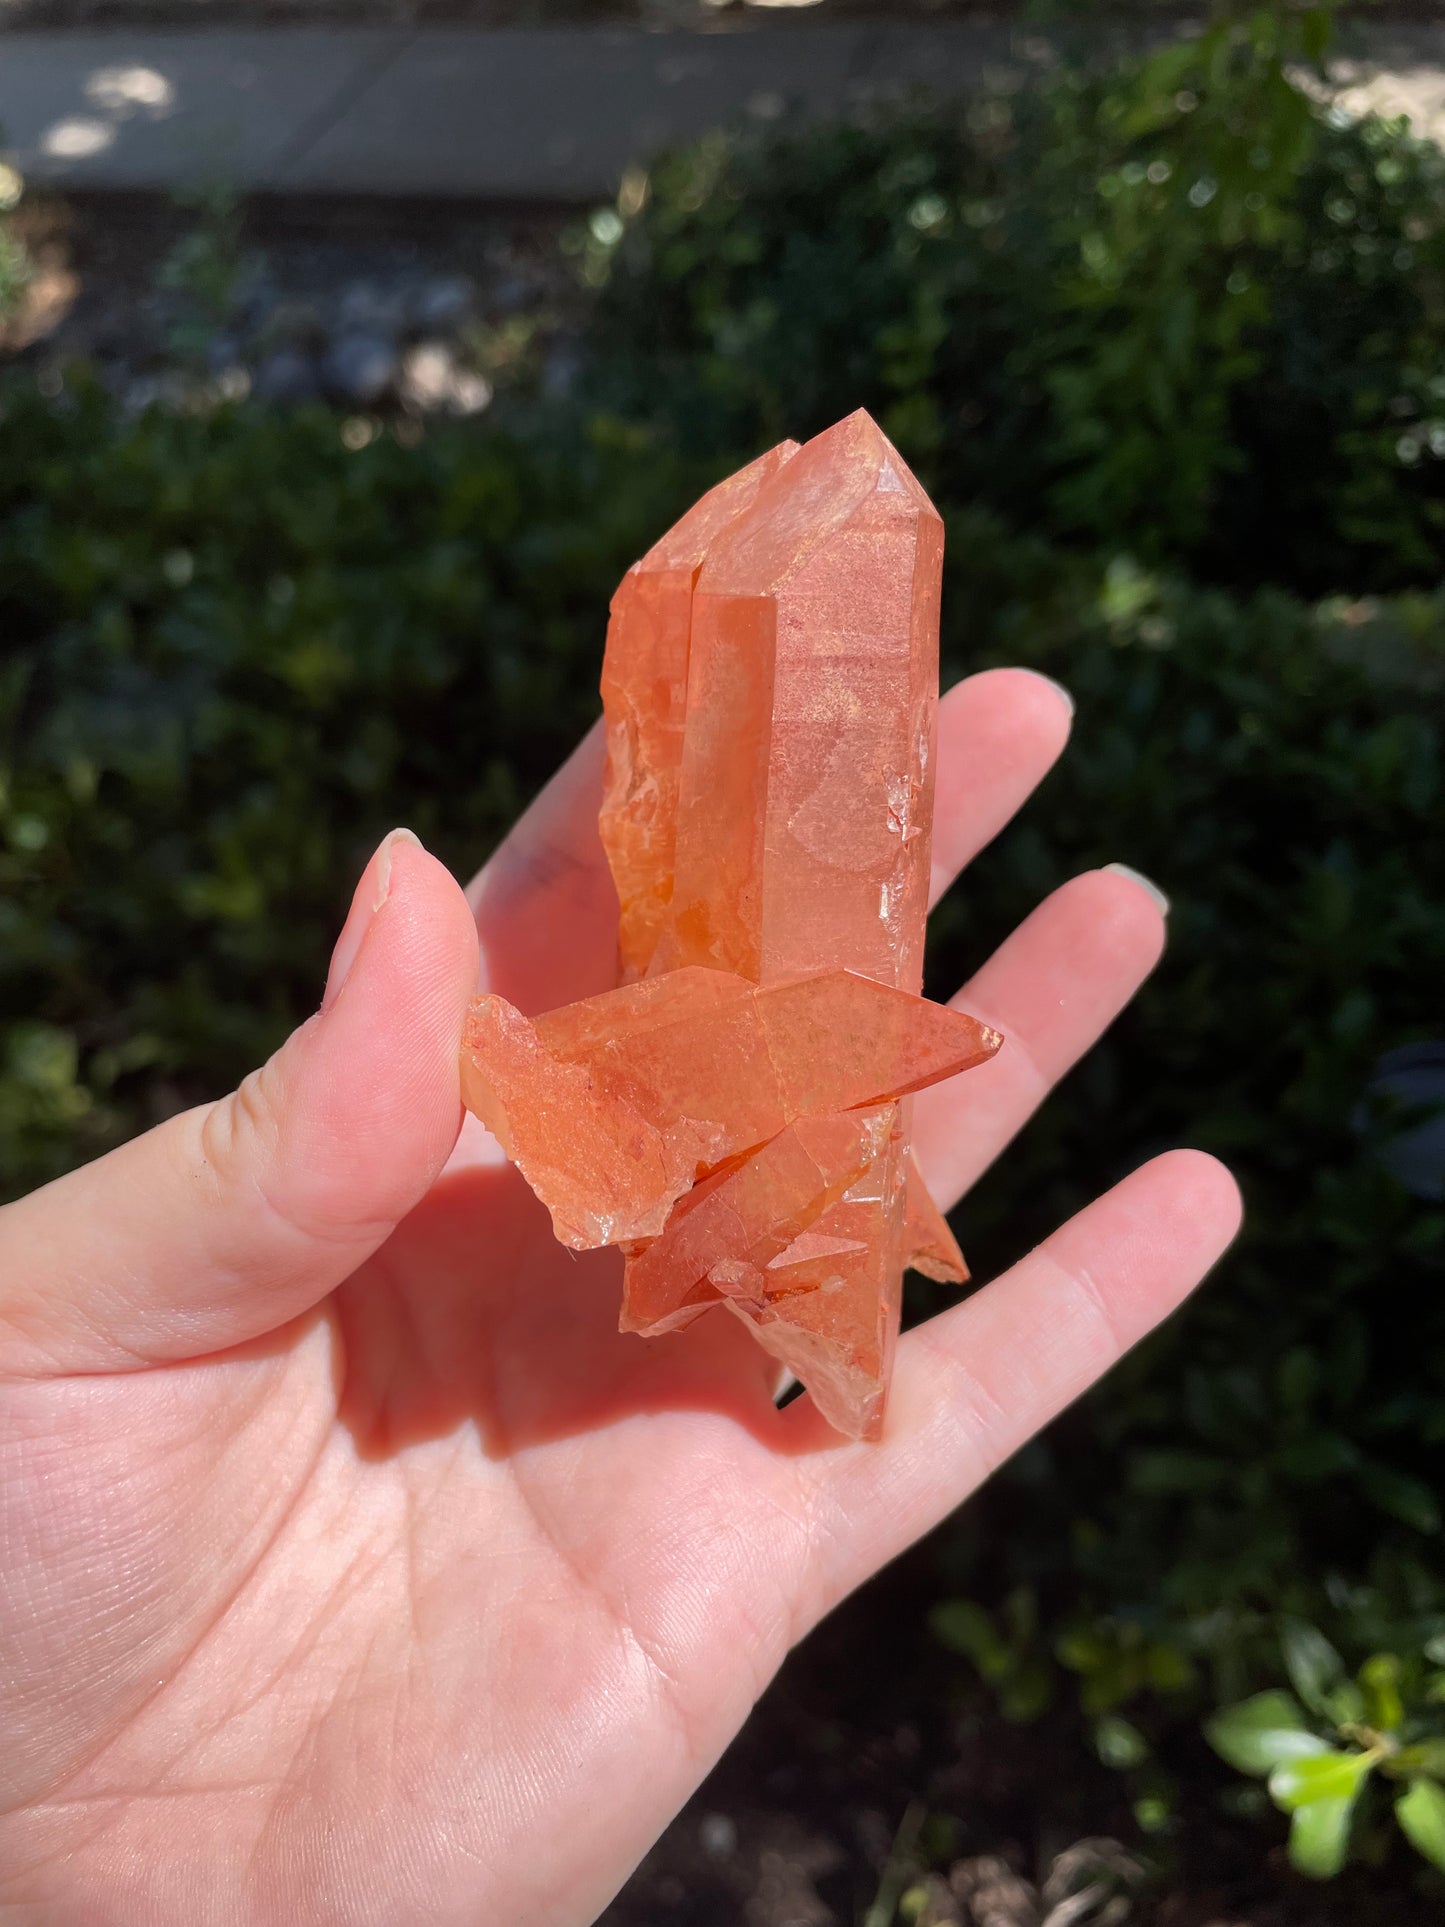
(1336, 1749)
(1179, 312)
(1276, 766)
(14, 262)
(235, 651)
(237, 647)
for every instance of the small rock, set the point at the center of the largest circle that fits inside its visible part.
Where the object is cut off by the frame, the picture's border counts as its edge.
(287, 376)
(470, 393)
(233, 383)
(169, 390)
(221, 353)
(360, 368)
(143, 391)
(427, 373)
(511, 294)
(256, 298)
(443, 303)
(719, 1835)
(365, 309)
(431, 379)
(297, 323)
(559, 376)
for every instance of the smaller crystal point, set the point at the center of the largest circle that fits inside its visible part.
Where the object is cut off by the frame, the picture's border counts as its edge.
(722, 1237)
(930, 1246)
(614, 1106)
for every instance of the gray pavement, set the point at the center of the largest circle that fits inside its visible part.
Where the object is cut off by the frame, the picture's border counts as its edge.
(497, 114)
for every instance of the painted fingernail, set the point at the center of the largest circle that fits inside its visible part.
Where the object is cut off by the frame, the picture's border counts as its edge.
(1149, 888)
(371, 893)
(1064, 697)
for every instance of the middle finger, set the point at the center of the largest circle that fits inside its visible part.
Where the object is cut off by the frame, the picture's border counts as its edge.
(1052, 989)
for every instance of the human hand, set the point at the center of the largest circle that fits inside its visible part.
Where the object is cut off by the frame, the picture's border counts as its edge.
(355, 1569)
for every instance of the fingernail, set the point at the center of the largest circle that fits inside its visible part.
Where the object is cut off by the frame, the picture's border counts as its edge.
(1064, 697)
(1137, 876)
(371, 893)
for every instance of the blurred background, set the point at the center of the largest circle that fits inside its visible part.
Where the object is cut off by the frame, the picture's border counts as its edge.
(350, 351)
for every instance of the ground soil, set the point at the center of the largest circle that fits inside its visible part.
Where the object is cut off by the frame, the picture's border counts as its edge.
(100, 290)
(870, 1737)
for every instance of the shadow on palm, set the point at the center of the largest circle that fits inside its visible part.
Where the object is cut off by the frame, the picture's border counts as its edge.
(473, 1315)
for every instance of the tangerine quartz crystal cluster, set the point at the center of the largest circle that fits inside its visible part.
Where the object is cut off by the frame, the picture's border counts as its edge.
(736, 1114)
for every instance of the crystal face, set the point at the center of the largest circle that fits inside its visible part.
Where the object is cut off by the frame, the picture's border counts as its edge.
(613, 1108)
(644, 697)
(736, 1115)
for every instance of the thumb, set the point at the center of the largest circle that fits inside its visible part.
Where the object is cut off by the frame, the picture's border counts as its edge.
(231, 1219)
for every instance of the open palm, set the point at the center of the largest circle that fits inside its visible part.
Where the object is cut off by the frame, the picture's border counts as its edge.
(353, 1568)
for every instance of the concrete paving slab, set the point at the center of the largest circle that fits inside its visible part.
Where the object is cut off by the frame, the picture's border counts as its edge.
(136, 110)
(560, 114)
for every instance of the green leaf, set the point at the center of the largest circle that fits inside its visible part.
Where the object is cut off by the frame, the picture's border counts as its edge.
(1261, 1733)
(1021, 1615)
(1421, 1813)
(1316, 1670)
(1319, 1836)
(1404, 1498)
(966, 1628)
(1119, 1743)
(1026, 1693)
(1152, 1813)
(1425, 1756)
(1167, 1669)
(1320, 1776)
(1316, 30)
(1321, 1455)
(1380, 1683)
(1298, 1378)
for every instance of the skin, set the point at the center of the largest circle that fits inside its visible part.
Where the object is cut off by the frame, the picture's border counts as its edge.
(353, 1568)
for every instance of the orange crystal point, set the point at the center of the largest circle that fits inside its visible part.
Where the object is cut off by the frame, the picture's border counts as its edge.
(837, 1327)
(805, 799)
(614, 1106)
(722, 1238)
(644, 700)
(929, 1246)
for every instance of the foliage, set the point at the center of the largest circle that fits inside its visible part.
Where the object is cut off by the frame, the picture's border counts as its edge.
(1177, 311)
(1384, 1725)
(14, 262)
(1280, 1447)
(204, 272)
(237, 649)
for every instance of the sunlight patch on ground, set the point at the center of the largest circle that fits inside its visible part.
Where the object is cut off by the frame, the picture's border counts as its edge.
(120, 90)
(77, 137)
(119, 93)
